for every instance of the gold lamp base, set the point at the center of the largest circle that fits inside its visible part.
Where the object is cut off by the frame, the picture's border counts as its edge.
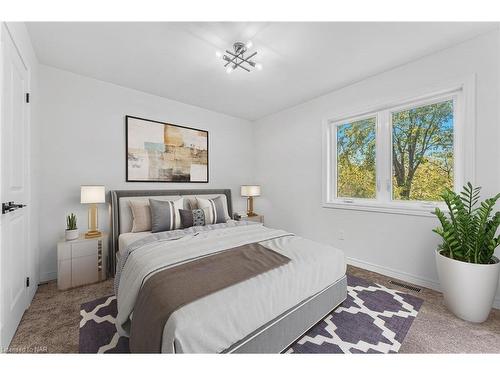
(250, 212)
(93, 234)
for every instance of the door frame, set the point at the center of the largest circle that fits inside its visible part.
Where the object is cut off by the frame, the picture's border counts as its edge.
(7, 32)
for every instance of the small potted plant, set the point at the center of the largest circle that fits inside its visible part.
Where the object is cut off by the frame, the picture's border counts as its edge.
(71, 228)
(468, 271)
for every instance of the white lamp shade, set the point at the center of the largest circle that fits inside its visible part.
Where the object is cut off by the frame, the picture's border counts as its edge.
(92, 194)
(250, 190)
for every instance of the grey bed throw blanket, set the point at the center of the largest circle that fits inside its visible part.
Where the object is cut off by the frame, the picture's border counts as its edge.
(168, 290)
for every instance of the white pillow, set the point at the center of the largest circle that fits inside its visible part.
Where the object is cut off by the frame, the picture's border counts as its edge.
(216, 208)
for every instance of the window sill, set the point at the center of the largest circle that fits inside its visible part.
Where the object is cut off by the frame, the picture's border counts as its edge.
(411, 209)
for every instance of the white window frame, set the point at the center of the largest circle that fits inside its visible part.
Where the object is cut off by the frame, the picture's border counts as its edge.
(462, 94)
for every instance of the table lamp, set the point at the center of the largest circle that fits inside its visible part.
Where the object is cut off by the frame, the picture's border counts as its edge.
(92, 194)
(250, 191)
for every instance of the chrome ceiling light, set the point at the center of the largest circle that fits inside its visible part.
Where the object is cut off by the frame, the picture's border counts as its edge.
(237, 59)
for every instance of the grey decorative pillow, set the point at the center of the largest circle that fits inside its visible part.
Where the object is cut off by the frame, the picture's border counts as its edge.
(216, 210)
(192, 218)
(165, 215)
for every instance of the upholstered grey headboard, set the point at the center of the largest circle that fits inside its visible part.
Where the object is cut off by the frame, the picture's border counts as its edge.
(118, 205)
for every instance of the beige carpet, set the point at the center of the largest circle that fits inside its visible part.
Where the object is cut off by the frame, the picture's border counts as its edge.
(51, 323)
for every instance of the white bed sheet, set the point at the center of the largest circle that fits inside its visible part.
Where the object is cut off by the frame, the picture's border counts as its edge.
(217, 321)
(126, 239)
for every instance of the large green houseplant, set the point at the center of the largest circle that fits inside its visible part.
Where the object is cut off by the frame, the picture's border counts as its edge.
(468, 270)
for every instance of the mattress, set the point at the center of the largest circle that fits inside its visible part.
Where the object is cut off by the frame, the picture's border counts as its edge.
(213, 323)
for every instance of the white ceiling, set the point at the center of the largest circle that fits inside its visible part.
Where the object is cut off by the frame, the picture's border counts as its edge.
(301, 60)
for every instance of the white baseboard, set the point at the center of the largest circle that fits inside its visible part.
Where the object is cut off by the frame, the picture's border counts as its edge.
(417, 280)
(32, 291)
(48, 276)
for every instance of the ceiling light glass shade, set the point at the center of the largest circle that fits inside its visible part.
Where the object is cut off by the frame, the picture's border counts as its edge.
(249, 44)
(92, 194)
(250, 190)
(258, 66)
(229, 69)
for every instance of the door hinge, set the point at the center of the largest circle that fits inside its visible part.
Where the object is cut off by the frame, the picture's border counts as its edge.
(27, 97)
(27, 282)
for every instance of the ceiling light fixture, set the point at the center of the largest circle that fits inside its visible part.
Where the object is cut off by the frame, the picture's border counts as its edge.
(237, 59)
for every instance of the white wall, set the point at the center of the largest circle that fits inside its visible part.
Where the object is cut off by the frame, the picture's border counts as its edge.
(83, 142)
(22, 41)
(289, 160)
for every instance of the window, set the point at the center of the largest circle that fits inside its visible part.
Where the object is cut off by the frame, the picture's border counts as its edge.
(422, 151)
(399, 158)
(356, 159)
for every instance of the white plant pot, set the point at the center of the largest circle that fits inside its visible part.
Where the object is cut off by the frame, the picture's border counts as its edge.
(71, 234)
(469, 289)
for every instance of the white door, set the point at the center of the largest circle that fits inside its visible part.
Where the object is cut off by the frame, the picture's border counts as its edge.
(14, 187)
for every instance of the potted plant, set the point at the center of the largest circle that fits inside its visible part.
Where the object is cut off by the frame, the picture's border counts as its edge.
(468, 271)
(71, 228)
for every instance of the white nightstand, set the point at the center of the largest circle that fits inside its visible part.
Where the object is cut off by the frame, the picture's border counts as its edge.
(82, 261)
(258, 218)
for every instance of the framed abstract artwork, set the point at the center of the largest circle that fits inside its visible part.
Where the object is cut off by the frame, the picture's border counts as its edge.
(162, 152)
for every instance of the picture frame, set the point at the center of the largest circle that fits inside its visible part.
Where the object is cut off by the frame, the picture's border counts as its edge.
(159, 151)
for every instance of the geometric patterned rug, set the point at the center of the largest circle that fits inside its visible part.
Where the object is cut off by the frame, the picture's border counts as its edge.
(373, 319)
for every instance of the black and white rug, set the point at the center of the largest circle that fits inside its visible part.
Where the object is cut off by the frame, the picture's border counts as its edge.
(373, 319)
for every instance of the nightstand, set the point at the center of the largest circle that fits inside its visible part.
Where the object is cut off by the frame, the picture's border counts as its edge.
(81, 261)
(258, 218)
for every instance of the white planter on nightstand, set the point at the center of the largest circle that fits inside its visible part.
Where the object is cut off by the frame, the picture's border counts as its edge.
(71, 234)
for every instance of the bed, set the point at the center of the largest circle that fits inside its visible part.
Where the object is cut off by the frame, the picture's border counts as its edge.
(262, 314)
